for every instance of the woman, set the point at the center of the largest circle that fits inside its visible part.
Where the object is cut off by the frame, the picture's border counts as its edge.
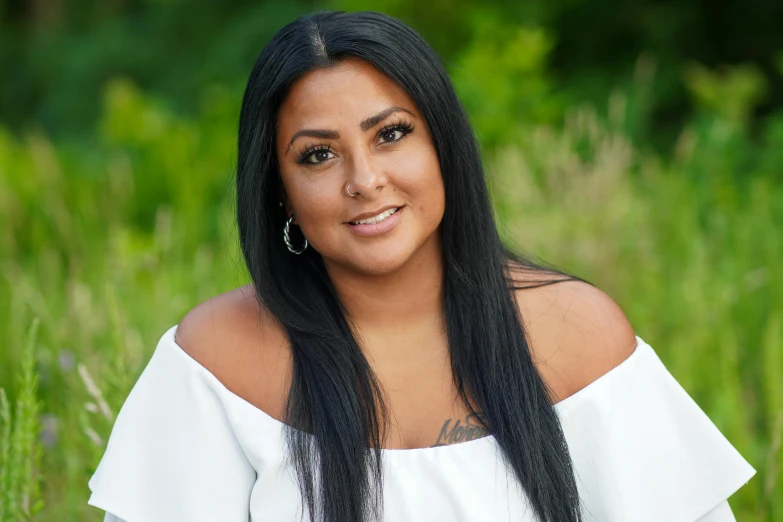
(391, 360)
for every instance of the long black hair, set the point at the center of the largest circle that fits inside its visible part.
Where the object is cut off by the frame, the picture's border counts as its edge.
(335, 411)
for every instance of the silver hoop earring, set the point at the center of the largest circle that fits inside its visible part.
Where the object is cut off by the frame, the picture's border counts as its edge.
(348, 191)
(287, 238)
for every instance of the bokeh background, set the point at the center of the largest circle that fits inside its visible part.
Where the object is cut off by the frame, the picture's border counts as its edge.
(637, 144)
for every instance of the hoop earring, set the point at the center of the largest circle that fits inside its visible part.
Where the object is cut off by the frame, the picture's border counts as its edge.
(287, 238)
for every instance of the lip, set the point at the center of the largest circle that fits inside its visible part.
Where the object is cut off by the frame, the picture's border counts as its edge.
(372, 213)
(378, 228)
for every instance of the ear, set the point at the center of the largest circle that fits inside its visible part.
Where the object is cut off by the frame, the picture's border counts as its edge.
(289, 211)
(285, 203)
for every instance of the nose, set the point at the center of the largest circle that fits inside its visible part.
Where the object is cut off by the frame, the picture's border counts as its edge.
(365, 177)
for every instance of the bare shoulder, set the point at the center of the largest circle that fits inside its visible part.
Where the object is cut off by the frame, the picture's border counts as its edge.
(576, 333)
(239, 343)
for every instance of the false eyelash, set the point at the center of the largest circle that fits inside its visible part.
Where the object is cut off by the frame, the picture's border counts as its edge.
(312, 149)
(402, 125)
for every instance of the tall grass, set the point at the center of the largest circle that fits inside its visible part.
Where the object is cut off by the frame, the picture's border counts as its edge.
(20, 453)
(111, 242)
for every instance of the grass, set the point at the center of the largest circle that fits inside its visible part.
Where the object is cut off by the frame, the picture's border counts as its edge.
(105, 245)
(20, 453)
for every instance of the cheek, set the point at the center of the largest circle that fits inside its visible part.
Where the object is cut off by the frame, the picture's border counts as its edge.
(425, 183)
(316, 206)
(417, 171)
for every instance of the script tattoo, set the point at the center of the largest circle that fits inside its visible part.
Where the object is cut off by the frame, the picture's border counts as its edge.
(458, 432)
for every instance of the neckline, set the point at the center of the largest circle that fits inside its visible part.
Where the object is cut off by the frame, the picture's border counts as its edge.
(561, 407)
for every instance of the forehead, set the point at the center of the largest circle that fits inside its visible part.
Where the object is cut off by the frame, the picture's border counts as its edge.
(352, 89)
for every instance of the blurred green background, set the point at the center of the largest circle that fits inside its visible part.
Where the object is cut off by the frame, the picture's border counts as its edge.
(638, 145)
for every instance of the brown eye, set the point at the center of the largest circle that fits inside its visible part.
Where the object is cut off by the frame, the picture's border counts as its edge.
(394, 133)
(315, 156)
(319, 156)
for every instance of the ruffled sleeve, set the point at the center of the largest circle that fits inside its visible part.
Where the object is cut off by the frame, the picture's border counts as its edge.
(644, 451)
(172, 455)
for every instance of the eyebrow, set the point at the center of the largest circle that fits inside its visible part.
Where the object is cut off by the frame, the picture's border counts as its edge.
(365, 125)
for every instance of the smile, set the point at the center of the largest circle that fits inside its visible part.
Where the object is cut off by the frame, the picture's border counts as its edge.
(377, 225)
(376, 219)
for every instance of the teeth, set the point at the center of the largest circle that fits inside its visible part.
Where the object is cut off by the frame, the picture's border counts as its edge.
(376, 219)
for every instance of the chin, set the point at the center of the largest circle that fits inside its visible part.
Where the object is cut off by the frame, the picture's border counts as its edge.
(380, 257)
(374, 260)
(379, 264)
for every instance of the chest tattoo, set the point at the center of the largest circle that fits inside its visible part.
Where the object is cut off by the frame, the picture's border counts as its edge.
(462, 430)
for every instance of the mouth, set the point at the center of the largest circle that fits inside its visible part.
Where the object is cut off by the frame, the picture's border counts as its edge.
(379, 218)
(378, 225)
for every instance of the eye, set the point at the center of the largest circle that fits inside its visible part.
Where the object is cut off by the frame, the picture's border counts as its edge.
(315, 155)
(395, 132)
(392, 135)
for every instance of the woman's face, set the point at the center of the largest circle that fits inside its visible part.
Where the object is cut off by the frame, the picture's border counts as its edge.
(350, 127)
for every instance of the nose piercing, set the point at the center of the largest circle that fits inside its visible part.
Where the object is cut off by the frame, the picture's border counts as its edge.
(348, 190)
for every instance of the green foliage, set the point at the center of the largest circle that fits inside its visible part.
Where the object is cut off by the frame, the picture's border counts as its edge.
(726, 99)
(522, 93)
(20, 453)
(55, 60)
(733, 95)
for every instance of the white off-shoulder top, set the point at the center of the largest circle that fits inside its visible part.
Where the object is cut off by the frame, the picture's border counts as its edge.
(186, 449)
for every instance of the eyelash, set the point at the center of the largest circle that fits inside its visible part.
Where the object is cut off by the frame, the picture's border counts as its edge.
(401, 125)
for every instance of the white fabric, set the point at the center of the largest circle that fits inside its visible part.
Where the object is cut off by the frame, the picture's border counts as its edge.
(722, 513)
(185, 448)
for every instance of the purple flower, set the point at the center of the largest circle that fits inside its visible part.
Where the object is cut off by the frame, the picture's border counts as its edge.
(66, 360)
(50, 425)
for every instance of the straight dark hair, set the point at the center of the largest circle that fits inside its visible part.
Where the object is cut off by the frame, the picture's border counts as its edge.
(336, 415)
